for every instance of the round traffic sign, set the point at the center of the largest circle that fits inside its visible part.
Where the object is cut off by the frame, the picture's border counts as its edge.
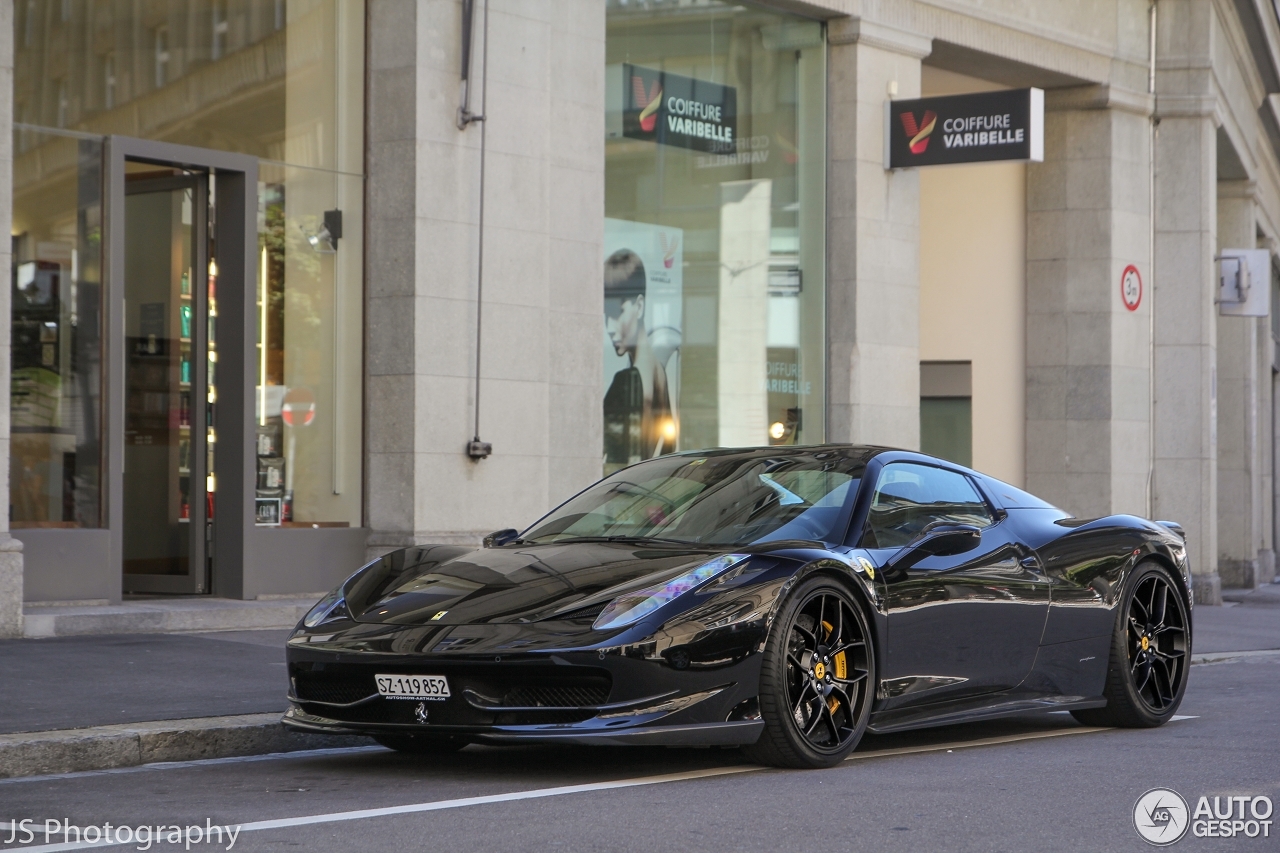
(1131, 287)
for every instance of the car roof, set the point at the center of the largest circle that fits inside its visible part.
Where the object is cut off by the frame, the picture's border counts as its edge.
(1009, 496)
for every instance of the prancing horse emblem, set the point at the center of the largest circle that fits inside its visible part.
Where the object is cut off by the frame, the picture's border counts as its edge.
(420, 712)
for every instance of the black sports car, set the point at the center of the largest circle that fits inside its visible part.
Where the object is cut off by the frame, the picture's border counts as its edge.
(784, 599)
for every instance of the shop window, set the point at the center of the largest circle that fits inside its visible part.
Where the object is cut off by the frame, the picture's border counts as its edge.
(946, 410)
(280, 81)
(714, 229)
(55, 387)
(308, 407)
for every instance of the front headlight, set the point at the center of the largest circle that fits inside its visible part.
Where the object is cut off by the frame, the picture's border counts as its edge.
(634, 606)
(332, 606)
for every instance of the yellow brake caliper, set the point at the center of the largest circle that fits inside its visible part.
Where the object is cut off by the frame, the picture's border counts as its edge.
(841, 666)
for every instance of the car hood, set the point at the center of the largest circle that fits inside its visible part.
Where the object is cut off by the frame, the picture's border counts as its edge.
(516, 583)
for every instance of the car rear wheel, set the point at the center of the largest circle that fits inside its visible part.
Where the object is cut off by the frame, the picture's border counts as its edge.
(416, 744)
(1150, 653)
(817, 679)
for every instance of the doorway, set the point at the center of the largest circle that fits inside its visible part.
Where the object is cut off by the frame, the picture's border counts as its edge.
(170, 389)
(180, 231)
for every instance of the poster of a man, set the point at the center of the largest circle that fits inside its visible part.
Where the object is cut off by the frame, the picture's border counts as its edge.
(642, 311)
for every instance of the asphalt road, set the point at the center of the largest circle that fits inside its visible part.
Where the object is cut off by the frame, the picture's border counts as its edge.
(1037, 783)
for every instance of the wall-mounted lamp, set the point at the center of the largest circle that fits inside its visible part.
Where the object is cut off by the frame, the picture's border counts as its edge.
(325, 241)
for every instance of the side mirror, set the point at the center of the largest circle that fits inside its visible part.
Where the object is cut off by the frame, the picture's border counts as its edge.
(501, 537)
(936, 540)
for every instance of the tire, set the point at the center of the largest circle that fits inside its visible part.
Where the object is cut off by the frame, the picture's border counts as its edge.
(1150, 654)
(817, 679)
(415, 744)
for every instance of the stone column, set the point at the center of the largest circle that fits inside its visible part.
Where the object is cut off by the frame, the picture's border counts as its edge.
(1239, 446)
(873, 240)
(391, 261)
(1186, 453)
(543, 320)
(10, 548)
(1185, 481)
(1088, 354)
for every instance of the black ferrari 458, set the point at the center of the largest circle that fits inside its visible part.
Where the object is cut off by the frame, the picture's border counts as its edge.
(784, 599)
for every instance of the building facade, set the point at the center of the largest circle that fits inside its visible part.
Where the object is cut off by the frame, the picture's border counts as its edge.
(269, 280)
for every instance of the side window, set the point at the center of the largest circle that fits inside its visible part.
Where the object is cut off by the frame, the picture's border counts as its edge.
(909, 497)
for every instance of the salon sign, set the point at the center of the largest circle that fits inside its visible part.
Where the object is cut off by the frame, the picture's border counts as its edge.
(977, 128)
(683, 112)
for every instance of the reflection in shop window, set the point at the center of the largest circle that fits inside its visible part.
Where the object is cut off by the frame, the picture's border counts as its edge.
(162, 56)
(281, 81)
(109, 81)
(55, 385)
(307, 407)
(714, 229)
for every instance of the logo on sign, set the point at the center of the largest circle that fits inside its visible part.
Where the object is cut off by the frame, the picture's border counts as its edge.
(919, 133)
(669, 248)
(652, 99)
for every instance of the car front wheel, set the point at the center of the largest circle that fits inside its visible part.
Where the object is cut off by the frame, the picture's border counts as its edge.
(817, 679)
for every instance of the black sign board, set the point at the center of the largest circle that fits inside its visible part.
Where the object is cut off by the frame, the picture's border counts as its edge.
(977, 128)
(658, 106)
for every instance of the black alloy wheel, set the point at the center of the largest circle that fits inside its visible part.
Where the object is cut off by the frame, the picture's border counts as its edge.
(817, 679)
(421, 744)
(1150, 653)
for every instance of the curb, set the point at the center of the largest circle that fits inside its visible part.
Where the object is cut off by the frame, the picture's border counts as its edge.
(41, 622)
(132, 744)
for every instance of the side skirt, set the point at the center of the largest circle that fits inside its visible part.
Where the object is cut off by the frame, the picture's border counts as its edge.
(989, 708)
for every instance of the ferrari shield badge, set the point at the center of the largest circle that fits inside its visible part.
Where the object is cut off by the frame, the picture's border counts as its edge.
(420, 712)
(867, 567)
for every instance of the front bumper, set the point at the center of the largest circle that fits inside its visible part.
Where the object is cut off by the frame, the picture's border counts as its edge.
(586, 697)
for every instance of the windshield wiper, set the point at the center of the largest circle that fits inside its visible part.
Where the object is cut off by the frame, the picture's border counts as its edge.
(637, 540)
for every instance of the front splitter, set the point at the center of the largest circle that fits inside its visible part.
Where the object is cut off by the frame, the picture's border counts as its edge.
(735, 733)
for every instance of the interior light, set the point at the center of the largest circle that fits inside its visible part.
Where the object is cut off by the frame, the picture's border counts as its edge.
(777, 429)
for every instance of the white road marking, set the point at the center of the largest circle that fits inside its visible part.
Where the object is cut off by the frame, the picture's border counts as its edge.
(540, 793)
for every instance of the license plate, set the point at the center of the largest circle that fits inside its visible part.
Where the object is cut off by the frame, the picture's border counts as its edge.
(413, 686)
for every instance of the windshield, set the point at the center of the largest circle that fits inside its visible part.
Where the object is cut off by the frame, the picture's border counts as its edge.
(717, 499)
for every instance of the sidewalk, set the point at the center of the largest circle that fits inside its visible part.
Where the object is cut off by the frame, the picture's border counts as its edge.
(96, 702)
(93, 703)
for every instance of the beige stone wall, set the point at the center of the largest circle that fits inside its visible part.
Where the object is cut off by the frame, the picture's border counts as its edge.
(542, 303)
(973, 224)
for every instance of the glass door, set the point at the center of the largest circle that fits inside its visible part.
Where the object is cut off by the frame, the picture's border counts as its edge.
(169, 391)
